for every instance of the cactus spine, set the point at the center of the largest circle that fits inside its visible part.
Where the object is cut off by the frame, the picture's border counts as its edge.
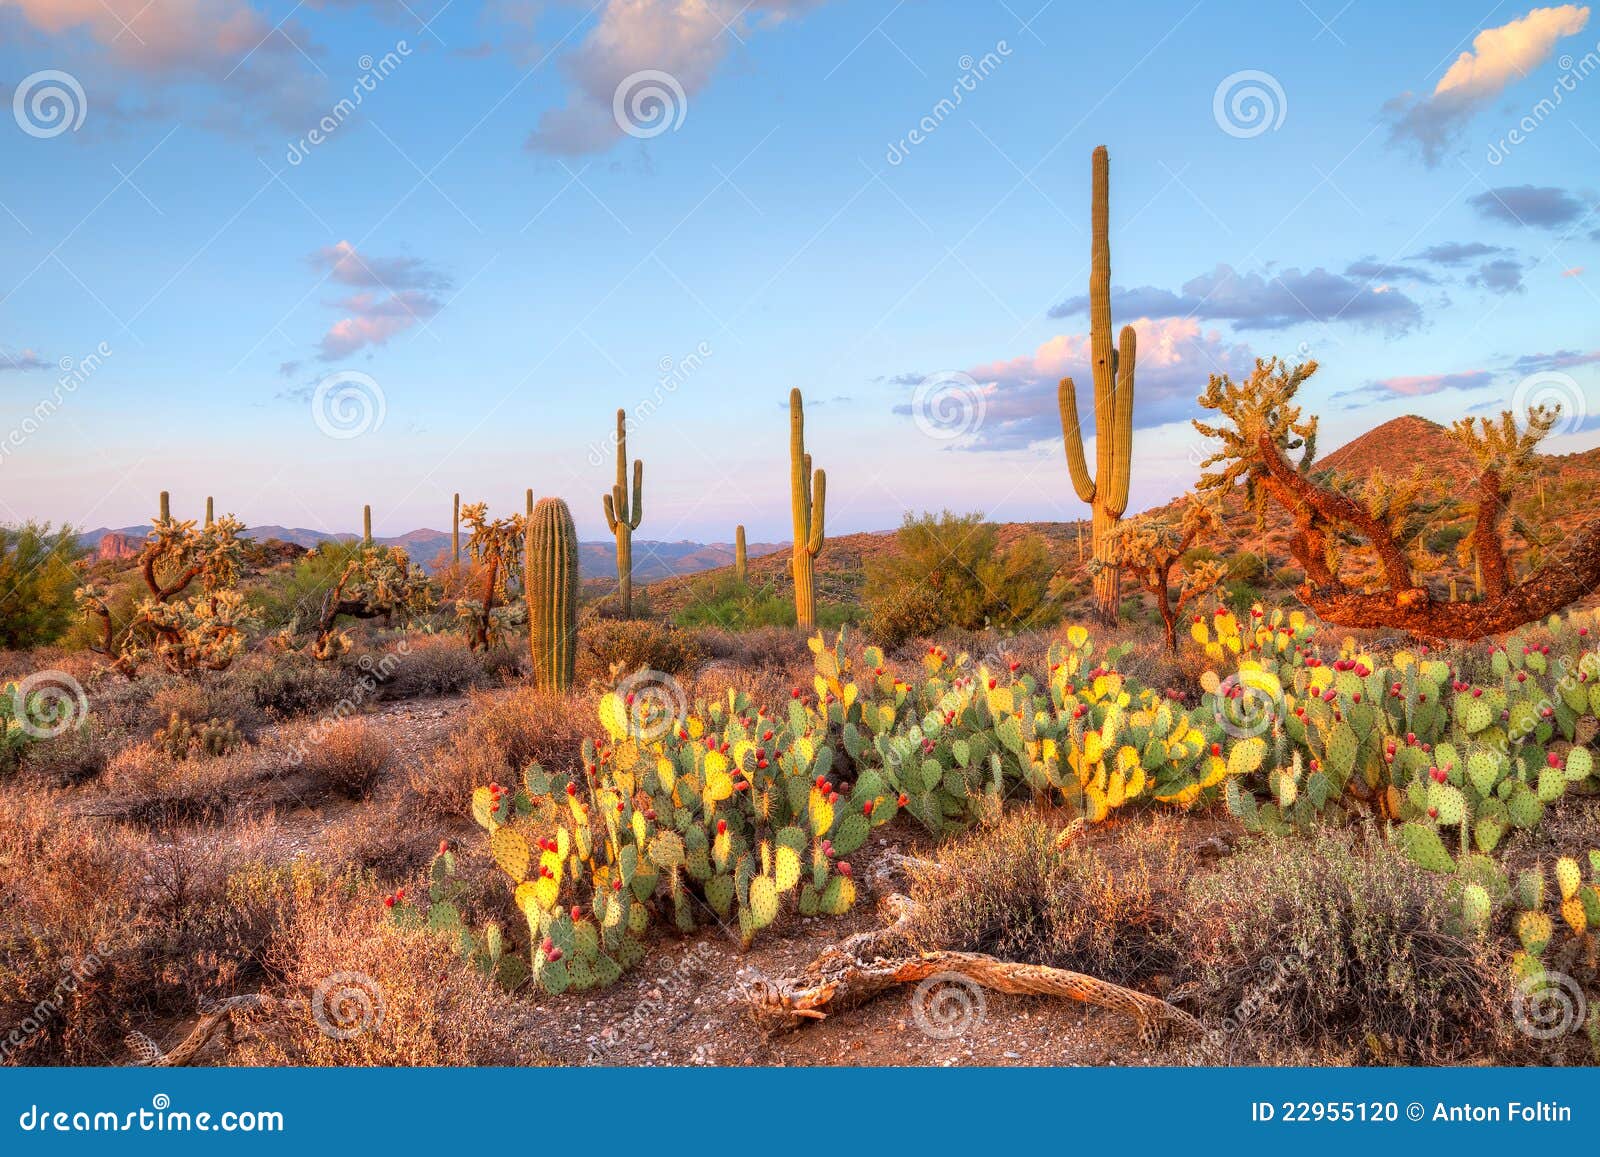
(366, 526)
(551, 575)
(623, 519)
(1107, 492)
(455, 532)
(808, 493)
(739, 561)
(210, 517)
(166, 506)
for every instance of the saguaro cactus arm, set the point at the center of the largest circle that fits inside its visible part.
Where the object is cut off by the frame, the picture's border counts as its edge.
(1072, 434)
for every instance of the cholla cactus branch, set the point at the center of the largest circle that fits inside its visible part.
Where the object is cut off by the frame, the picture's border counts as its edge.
(1151, 547)
(1262, 426)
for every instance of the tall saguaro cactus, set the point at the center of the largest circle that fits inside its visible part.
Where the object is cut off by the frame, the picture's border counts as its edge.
(455, 532)
(808, 492)
(210, 508)
(530, 502)
(551, 575)
(366, 526)
(740, 563)
(623, 518)
(166, 506)
(1107, 492)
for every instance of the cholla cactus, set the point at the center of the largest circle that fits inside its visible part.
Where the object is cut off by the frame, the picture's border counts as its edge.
(1260, 428)
(203, 632)
(1152, 547)
(495, 548)
(380, 582)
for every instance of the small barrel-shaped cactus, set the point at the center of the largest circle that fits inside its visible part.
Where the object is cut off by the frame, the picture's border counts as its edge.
(552, 583)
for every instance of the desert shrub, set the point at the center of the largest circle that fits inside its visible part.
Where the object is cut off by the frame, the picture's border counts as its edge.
(762, 647)
(502, 735)
(725, 602)
(407, 993)
(440, 665)
(900, 615)
(294, 684)
(76, 756)
(1338, 938)
(611, 648)
(975, 581)
(348, 756)
(37, 579)
(1021, 892)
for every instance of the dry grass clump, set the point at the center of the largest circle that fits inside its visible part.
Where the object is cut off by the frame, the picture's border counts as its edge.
(396, 998)
(347, 756)
(1105, 906)
(609, 649)
(501, 735)
(1337, 939)
(431, 665)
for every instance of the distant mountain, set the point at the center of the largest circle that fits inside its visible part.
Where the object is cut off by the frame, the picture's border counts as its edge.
(596, 560)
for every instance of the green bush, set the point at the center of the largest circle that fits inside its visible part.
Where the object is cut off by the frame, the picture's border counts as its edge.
(725, 602)
(37, 579)
(976, 582)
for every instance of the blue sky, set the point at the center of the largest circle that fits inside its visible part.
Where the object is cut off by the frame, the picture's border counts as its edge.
(482, 250)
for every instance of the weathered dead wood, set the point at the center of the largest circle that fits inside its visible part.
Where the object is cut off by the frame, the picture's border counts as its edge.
(217, 1027)
(852, 973)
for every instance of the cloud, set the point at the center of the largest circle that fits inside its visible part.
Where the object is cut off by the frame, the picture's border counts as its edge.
(686, 39)
(1501, 276)
(1253, 301)
(22, 361)
(1374, 270)
(1499, 57)
(1019, 394)
(1575, 271)
(348, 267)
(396, 294)
(158, 46)
(1558, 360)
(1420, 385)
(1540, 206)
(1455, 252)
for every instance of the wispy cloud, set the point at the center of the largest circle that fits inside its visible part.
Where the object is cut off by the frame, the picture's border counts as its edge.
(1371, 269)
(397, 293)
(1503, 275)
(1498, 58)
(1267, 302)
(1420, 385)
(686, 39)
(1456, 252)
(21, 361)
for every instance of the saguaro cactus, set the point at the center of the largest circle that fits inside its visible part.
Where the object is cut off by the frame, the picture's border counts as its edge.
(808, 492)
(166, 506)
(551, 575)
(740, 569)
(210, 517)
(366, 526)
(530, 502)
(455, 531)
(1107, 492)
(622, 518)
